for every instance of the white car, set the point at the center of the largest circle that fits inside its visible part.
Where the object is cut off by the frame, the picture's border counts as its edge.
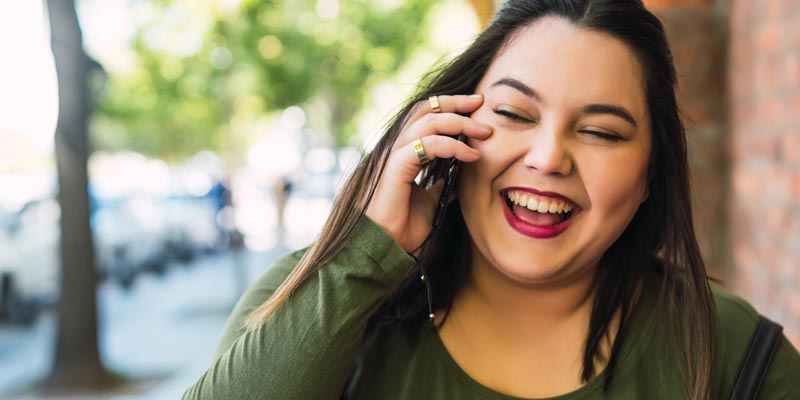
(29, 259)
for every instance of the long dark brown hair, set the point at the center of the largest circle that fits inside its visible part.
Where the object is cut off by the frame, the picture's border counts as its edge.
(660, 235)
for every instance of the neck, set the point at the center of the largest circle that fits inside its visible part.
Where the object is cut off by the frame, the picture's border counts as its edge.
(505, 308)
(534, 330)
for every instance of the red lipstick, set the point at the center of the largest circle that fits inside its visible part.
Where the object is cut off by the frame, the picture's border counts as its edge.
(536, 231)
(540, 193)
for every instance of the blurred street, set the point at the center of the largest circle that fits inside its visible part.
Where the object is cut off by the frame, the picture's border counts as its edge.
(182, 147)
(161, 333)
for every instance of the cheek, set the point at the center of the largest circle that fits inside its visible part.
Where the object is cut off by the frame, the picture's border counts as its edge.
(616, 189)
(498, 151)
(479, 179)
(475, 184)
(467, 181)
(483, 115)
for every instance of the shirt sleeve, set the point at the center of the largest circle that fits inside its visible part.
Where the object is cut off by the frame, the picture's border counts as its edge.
(737, 321)
(254, 296)
(307, 348)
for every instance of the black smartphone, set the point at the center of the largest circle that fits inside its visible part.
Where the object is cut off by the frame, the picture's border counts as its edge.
(449, 182)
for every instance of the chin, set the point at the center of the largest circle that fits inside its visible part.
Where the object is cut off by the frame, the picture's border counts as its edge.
(520, 269)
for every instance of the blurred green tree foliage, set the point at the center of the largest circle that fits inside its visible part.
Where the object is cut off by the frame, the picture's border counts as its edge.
(198, 65)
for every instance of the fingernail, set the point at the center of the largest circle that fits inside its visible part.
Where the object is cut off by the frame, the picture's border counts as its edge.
(476, 96)
(485, 127)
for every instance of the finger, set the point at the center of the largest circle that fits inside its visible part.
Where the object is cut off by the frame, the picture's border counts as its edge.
(459, 104)
(446, 124)
(436, 146)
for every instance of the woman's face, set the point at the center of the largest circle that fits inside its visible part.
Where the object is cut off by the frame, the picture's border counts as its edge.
(571, 138)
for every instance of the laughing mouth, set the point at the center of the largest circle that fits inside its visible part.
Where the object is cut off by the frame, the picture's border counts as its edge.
(538, 210)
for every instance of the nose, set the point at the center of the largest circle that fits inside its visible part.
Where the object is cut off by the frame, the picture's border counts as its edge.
(548, 152)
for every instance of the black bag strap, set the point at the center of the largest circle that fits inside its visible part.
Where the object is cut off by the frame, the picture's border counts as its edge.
(757, 358)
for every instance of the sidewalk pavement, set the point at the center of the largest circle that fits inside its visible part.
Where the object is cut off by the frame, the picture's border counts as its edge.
(163, 331)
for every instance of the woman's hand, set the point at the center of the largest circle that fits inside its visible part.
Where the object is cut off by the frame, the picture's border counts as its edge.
(399, 206)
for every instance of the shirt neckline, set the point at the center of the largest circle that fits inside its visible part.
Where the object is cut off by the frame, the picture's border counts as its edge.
(642, 319)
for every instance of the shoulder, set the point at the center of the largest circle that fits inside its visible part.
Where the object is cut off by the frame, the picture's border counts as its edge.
(279, 270)
(733, 312)
(736, 321)
(261, 289)
(255, 295)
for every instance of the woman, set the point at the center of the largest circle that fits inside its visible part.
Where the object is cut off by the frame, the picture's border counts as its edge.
(566, 265)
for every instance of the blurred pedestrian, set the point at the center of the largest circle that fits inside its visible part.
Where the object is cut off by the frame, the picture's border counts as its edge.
(281, 190)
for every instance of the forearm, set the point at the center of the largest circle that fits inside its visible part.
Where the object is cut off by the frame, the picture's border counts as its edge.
(306, 349)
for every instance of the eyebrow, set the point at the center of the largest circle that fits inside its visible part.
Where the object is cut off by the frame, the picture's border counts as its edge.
(587, 109)
(516, 84)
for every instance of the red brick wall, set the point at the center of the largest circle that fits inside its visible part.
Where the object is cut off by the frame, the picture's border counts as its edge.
(697, 42)
(738, 63)
(764, 106)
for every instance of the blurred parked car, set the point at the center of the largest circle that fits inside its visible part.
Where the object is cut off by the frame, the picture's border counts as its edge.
(144, 215)
(29, 264)
(143, 232)
(191, 228)
(129, 238)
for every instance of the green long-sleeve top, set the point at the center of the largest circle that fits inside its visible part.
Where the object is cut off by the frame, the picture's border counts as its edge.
(318, 342)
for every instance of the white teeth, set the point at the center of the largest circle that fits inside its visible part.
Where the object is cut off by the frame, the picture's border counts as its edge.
(533, 204)
(542, 205)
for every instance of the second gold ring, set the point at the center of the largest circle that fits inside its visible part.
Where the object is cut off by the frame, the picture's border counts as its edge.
(420, 150)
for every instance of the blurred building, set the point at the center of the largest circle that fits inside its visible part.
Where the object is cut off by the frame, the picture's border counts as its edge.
(739, 68)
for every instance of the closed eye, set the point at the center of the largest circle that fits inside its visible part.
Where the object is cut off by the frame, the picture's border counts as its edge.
(520, 119)
(511, 116)
(604, 136)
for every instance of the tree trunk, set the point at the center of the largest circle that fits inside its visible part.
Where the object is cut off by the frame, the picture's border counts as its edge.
(77, 365)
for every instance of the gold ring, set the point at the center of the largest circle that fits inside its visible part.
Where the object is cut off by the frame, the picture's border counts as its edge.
(434, 102)
(420, 150)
